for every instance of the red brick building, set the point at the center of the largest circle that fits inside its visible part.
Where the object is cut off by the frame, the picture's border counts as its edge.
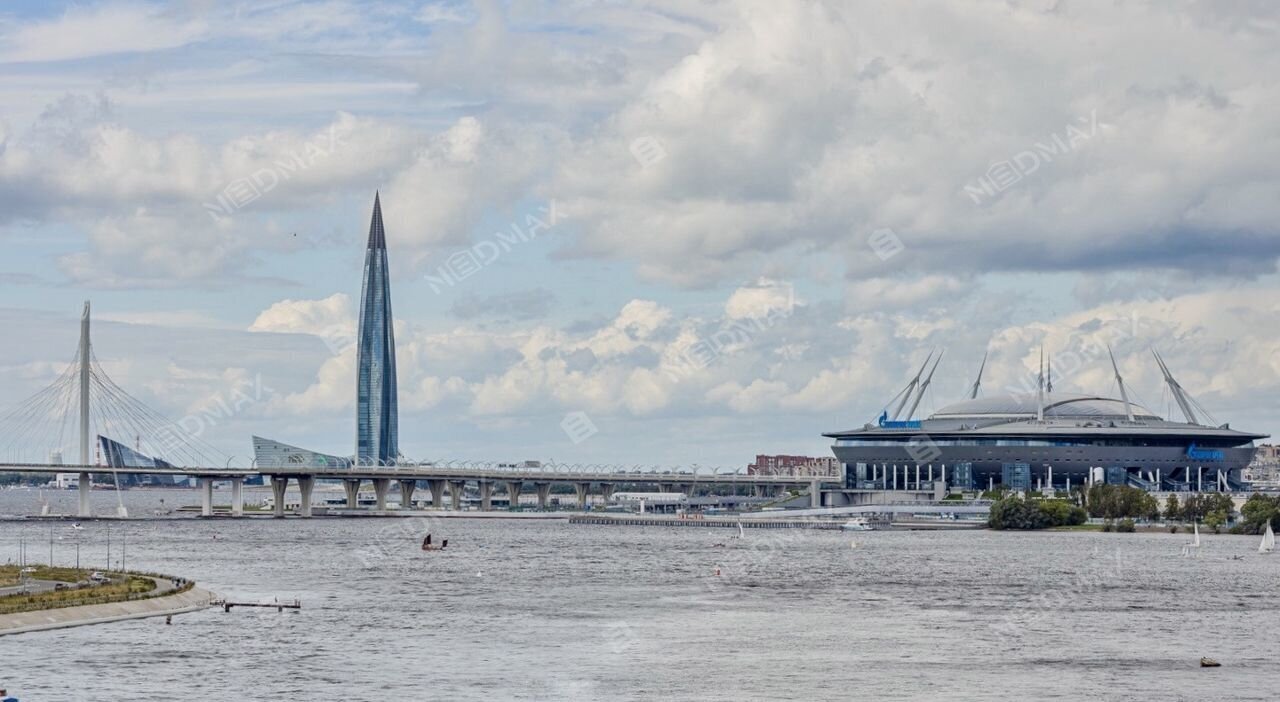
(794, 465)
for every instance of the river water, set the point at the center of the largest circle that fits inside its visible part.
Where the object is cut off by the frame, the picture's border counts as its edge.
(541, 610)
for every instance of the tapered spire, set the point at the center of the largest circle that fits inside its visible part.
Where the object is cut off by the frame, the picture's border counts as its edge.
(377, 409)
(377, 235)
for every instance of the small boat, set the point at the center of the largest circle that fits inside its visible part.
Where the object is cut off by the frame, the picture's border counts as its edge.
(1268, 541)
(859, 524)
(1209, 663)
(427, 545)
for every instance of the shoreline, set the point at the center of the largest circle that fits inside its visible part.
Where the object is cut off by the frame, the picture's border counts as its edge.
(191, 600)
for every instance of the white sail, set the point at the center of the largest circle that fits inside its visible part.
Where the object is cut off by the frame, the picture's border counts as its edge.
(1196, 526)
(741, 533)
(1268, 541)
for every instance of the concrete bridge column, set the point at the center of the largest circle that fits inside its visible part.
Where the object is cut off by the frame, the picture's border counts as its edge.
(456, 488)
(237, 497)
(917, 476)
(352, 488)
(664, 487)
(206, 497)
(513, 493)
(486, 496)
(815, 493)
(582, 490)
(279, 483)
(381, 486)
(606, 491)
(406, 493)
(544, 492)
(305, 484)
(86, 484)
(437, 493)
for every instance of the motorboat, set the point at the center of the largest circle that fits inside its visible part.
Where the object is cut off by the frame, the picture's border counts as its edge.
(859, 524)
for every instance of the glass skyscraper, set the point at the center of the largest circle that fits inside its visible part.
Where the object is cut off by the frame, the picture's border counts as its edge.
(377, 433)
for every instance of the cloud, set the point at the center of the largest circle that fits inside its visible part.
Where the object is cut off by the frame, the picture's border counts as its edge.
(88, 31)
(523, 305)
(764, 298)
(807, 127)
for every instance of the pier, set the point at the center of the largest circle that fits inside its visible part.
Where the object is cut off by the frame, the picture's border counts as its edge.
(732, 522)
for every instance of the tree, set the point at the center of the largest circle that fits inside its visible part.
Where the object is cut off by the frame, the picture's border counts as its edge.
(1215, 519)
(1257, 511)
(1172, 510)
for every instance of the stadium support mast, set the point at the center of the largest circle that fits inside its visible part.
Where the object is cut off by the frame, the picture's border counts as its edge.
(1128, 409)
(977, 383)
(915, 382)
(924, 386)
(1179, 395)
(1040, 390)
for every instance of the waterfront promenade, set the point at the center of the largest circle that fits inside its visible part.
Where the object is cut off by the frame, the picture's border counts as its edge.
(166, 602)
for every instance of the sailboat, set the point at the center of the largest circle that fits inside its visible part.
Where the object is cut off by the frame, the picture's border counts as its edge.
(1268, 541)
(1193, 548)
(741, 533)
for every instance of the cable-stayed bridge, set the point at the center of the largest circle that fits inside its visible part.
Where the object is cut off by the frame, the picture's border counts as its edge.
(117, 434)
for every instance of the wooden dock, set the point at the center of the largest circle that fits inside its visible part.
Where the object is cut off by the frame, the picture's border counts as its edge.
(226, 605)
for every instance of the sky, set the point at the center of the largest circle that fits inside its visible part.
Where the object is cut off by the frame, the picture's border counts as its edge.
(656, 233)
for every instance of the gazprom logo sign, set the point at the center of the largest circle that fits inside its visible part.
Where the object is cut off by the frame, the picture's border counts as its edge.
(1199, 454)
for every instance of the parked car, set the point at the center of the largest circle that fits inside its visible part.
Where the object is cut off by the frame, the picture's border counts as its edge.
(98, 577)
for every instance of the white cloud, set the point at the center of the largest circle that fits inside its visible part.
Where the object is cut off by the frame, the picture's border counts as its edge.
(764, 298)
(87, 31)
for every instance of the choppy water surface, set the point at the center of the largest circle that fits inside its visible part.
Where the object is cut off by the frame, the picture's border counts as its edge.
(545, 610)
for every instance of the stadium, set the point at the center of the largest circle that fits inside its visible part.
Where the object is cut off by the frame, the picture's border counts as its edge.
(1043, 440)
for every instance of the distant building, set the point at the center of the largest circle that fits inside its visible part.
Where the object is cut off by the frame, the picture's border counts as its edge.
(794, 465)
(377, 422)
(272, 454)
(377, 407)
(1264, 469)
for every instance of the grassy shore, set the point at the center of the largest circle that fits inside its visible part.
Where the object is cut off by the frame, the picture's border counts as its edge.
(122, 587)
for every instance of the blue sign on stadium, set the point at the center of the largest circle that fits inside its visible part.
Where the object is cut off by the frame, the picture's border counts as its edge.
(1203, 454)
(886, 423)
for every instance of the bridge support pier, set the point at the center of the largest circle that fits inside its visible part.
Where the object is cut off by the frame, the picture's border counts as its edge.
(85, 485)
(486, 496)
(606, 491)
(237, 497)
(206, 497)
(664, 487)
(544, 492)
(380, 488)
(279, 483)
(352, 487)
(305, 484)
(406, 493)
(513, 493)
(437, 493)
(456, 488)
(815, 494)
(582, 490)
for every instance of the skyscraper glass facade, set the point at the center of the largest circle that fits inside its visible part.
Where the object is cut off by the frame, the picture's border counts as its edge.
(377, 433)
